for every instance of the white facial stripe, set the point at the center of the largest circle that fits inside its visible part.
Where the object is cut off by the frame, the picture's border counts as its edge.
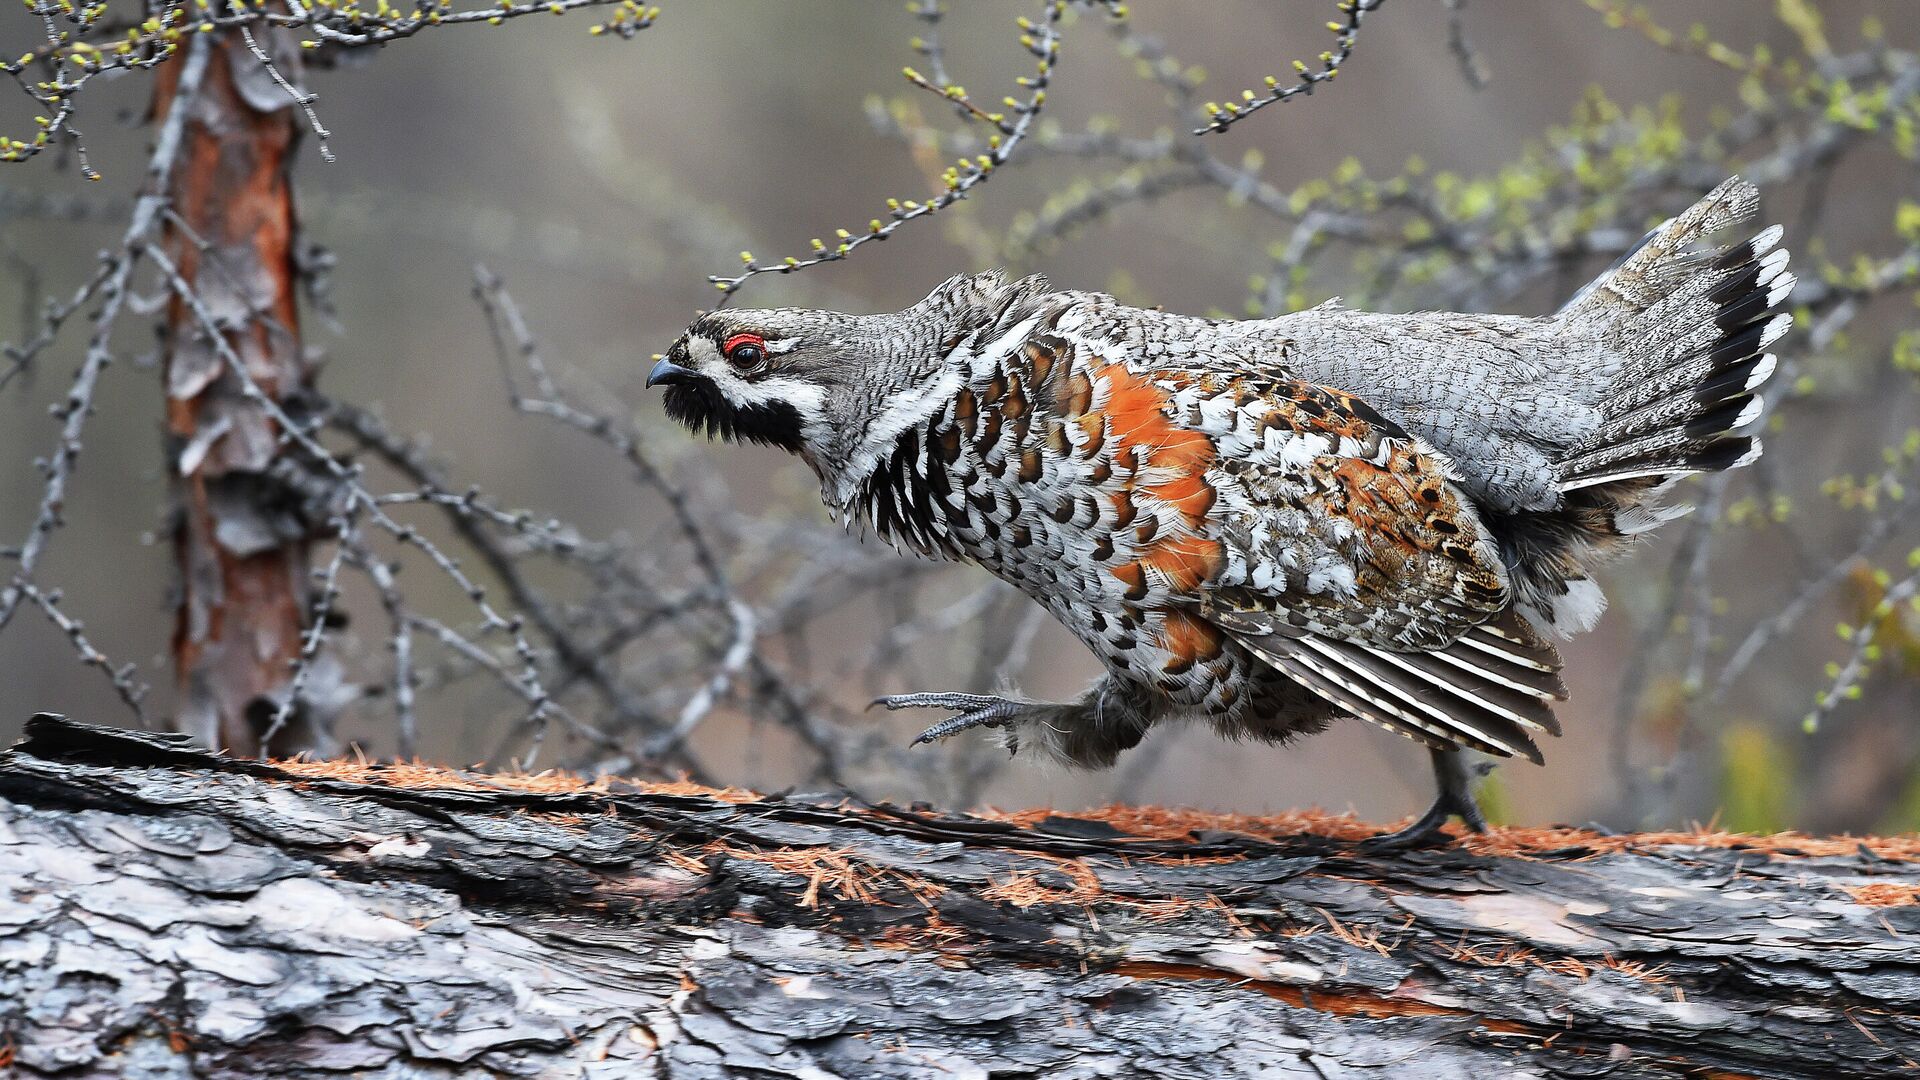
(806, 398)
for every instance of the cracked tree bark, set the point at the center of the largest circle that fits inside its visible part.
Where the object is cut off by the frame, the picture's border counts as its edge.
(167, 912)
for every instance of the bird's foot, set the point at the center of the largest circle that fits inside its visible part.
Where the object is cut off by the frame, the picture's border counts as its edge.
(1453, 776)
(975, 710)
(1427, 831)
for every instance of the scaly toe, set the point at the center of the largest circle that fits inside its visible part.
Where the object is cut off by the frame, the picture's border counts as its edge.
(977, 711)
(956, 702)
(991, 716)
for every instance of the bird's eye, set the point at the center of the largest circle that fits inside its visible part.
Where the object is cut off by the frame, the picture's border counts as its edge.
(745, 351)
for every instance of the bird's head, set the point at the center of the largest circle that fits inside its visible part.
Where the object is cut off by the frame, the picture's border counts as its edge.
(827, 386)
(767, 376)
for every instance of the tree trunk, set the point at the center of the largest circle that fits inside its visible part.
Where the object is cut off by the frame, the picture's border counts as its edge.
(173, 913)
(240, 537)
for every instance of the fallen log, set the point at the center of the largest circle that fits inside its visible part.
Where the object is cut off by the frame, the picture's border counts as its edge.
(168, 912)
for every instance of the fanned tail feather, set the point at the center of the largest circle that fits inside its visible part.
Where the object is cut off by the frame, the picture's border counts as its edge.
(1690, 325)
(1695, 327)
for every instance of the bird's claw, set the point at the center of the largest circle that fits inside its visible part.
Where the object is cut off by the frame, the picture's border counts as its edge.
(975, 710)
(1426, 832)
(1453, 775)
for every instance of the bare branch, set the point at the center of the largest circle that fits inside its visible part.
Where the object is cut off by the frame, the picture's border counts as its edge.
(1041, 39)
(1345, 32)
(113, 292)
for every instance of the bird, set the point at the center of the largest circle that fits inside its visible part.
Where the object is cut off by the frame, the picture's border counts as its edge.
(1269, 525)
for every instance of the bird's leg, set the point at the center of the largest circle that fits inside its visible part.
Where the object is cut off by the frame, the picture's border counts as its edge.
(1454, 779)
(975, 710)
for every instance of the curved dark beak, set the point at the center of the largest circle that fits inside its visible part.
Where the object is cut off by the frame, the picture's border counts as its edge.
(666, 372)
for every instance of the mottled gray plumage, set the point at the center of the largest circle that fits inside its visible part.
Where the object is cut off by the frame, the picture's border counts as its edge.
(1268, 524)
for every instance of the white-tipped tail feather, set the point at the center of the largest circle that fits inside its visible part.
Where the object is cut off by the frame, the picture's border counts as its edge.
(1694, 325)
(1685, 329)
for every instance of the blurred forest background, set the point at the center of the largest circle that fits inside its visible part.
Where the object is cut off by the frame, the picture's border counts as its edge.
(1489, 155)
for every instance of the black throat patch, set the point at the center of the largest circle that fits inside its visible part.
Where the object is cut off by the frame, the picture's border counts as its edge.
(905, 498)
(700, 405)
